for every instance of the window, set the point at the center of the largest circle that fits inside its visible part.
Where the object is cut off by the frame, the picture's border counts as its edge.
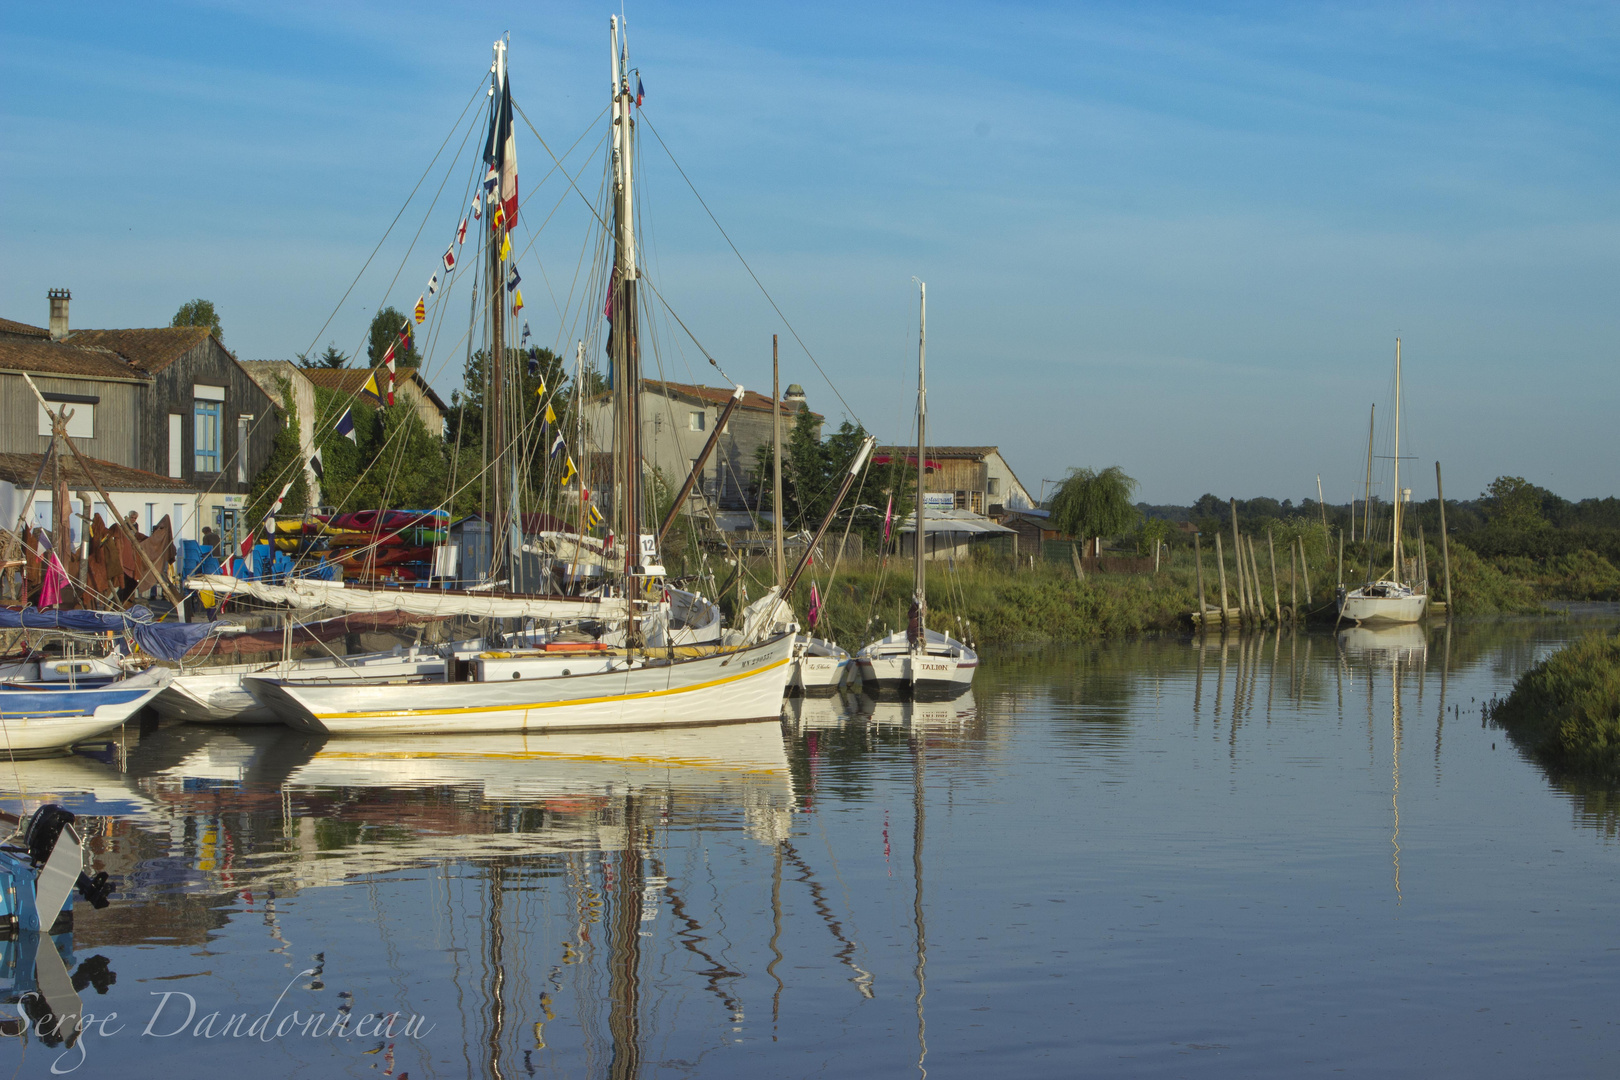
(694, 422)
(995, 485)
(241, 447)
(977, 505)
(205, 419)
(177, 450)
(81, 425)
(961, 500)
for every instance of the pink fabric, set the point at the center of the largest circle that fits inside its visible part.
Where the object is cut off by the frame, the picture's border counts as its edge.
(56, 579)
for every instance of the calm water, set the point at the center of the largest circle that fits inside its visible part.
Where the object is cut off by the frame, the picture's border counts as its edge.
(1278, 857)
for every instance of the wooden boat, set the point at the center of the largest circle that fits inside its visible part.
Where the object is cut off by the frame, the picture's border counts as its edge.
(514, 693)
(38, 718)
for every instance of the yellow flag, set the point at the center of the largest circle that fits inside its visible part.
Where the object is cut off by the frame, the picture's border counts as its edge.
(551, 416)
(506, 247)
(568, 470)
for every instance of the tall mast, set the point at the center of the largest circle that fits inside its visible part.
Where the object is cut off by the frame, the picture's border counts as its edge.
(622, 300)
(776, 459)
(1366, 501)
(495, 405)
(919, 585)
(1395, 575)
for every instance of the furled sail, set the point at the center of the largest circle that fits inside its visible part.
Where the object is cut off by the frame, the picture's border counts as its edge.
(310, 593)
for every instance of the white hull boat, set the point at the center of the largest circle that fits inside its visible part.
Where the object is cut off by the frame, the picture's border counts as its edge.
(215, 695)
(1382, 603)
(35, 719)
(940, 669)
(725, 687)
(819, 667)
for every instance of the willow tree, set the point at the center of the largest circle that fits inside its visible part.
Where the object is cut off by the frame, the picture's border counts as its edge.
(1092, 503)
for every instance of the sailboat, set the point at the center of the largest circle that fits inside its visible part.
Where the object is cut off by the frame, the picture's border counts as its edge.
(917, 662)
(1388, 600)
(646, 682)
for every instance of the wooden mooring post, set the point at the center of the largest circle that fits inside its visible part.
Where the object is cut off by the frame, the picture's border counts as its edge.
(1271, 554)
(1220, 564)
(1445, 552)
(1259, 597)
(1237, 561)
(1305, 572)
(1203, 608)
(1293, 585)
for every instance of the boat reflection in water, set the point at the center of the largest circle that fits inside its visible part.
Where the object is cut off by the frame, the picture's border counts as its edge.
(941, 716)
(571, 870)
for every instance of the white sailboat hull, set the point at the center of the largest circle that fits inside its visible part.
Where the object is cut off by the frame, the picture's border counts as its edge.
(1382, 604)
(746, 684)
(215, 695)
(35, 722)
(942, 669)
(819, 667)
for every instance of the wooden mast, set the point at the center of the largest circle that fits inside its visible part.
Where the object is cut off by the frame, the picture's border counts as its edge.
(625, 354)
(776, 462)
(919, 585)
(1395, 542)
(494, 404)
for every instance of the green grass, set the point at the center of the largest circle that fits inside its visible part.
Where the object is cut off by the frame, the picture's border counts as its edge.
(1566, 710)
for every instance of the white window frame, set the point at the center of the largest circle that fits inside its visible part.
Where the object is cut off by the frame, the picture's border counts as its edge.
(81, 425)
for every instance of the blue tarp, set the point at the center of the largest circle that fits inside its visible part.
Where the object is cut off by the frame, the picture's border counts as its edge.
(166, 641)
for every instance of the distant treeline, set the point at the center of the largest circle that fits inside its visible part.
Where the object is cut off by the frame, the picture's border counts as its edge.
(1564, 549)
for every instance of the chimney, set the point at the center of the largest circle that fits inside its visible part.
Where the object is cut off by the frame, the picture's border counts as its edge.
(793, 397)
(59, 313)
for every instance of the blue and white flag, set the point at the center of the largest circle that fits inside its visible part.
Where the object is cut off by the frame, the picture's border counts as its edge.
(557, 445)
(345, 426)
(512, 279)
(525, 340)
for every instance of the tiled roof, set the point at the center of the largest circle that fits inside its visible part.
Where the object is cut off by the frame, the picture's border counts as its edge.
(975, 452)
(20, 470)
(11, 326)
(47, 357)
(719, 395)
(151, 349)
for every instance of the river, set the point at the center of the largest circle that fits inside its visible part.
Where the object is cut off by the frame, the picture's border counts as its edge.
(1277, 855)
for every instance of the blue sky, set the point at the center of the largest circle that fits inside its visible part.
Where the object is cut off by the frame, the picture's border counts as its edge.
(1179, 238)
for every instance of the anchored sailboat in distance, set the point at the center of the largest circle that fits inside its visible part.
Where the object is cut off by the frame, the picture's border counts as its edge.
(1389, 600)
(917, 662)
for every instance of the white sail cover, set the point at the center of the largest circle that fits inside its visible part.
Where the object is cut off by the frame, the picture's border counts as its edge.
(310, 593)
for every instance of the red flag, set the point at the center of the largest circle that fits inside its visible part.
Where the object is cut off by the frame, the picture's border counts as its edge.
(888, 519)
(390, 384)
(461, 231)
(450, 254)
(815, 605)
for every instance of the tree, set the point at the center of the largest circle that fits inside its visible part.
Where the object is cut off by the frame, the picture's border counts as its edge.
(1091, 503)
(385, 328)
(1514, 502)
(331, 358)
(198, 313)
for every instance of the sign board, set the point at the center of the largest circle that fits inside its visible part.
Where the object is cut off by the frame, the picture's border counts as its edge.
(939, 500)
(649, 547)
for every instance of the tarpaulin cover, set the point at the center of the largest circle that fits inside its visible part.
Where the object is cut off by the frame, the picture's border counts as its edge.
(166, 641)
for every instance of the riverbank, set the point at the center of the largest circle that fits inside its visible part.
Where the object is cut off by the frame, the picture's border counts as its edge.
(1565, 711)
(998, 601)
